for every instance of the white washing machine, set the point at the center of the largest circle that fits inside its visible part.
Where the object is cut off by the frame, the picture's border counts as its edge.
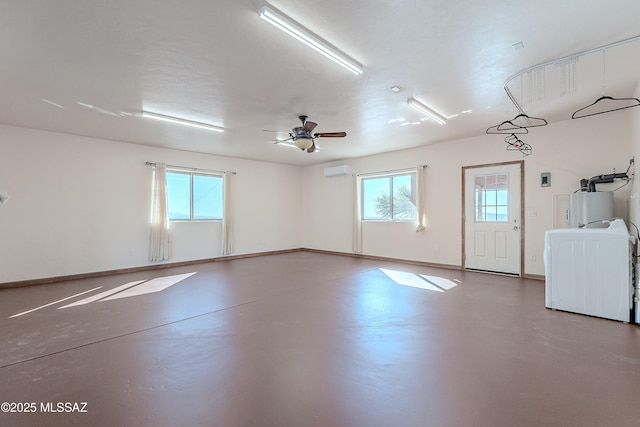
(589, 271)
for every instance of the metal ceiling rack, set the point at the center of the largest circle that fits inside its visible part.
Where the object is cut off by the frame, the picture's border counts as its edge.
(519, 125)
(560, 60)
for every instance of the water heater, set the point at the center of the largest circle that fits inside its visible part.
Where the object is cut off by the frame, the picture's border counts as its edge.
(590, 208)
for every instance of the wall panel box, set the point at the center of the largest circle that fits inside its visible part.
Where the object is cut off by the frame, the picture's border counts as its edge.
(337, 170)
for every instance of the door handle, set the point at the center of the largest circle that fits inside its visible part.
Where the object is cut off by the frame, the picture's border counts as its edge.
(515, 227)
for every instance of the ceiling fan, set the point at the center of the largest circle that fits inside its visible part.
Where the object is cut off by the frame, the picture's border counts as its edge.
(303, 138)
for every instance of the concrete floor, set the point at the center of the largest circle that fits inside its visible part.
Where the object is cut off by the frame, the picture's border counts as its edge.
(305, 339)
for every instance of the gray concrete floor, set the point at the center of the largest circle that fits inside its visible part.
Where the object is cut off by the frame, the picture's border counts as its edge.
(305, 339)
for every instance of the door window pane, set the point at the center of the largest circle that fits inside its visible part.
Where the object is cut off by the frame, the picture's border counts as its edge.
(492, 197)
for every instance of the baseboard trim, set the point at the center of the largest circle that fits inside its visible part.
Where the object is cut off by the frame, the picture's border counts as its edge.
(256, 254)
(386, 259)
(57, 279)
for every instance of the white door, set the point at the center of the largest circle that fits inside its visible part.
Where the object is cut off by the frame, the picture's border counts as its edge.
(492, 228)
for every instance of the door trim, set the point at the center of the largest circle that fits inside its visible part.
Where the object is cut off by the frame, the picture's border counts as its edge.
(522, 209)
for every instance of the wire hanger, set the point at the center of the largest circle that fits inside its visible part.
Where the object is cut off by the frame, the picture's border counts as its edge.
(516, 144)
(527, 121)
(507, 127)
(518, 125)
(607, 104)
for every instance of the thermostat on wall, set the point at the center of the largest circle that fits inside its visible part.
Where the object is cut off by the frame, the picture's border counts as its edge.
(545, 179)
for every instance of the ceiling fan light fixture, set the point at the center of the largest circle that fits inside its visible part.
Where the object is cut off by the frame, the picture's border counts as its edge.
(177, 120)
(305, 36)
(303, 143)
(432, 114)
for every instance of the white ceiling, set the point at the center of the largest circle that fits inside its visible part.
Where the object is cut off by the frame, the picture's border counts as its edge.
(217, 62)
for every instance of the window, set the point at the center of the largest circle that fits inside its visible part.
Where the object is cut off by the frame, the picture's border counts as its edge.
(194, 196)
(491, 198)
(389, 198)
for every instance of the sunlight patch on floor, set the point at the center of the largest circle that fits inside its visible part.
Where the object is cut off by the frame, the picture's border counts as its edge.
(430, 283)
(131, 289)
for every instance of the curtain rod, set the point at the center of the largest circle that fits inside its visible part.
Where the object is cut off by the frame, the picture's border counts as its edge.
(391, 171)
(189, 168)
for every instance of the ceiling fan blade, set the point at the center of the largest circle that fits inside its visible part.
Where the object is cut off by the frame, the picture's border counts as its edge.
(309, 126)
(330, 135)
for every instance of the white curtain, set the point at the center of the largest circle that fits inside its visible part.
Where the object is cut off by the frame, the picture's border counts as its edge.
(227, 220)
(420, 189)
(357, 218)
(159, 239)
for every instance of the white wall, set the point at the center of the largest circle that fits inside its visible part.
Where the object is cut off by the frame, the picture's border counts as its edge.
(570, 150)
(80, 205)
(634, 200)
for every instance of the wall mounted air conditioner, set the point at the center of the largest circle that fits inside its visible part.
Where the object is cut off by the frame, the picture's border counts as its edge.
(337, 170)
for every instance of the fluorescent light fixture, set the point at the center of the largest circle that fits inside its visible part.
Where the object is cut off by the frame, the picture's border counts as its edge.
(179, 121)
(51, 103)
(302, 34)
(433, 115)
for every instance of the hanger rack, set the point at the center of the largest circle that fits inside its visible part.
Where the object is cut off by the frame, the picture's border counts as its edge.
(519, 125)
(505, 86)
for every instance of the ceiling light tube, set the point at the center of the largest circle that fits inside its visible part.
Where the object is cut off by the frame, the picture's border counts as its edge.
(433, 115)
(286, 144)
(302, 34)
(179, 121)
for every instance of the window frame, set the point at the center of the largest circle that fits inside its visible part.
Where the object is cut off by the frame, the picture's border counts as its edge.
(191, 175)
(390, 176)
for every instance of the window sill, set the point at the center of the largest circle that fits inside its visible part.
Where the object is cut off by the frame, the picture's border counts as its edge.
(193, 220)
(387, 221)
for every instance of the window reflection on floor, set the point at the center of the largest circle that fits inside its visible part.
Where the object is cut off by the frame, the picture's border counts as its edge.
(422, 281)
